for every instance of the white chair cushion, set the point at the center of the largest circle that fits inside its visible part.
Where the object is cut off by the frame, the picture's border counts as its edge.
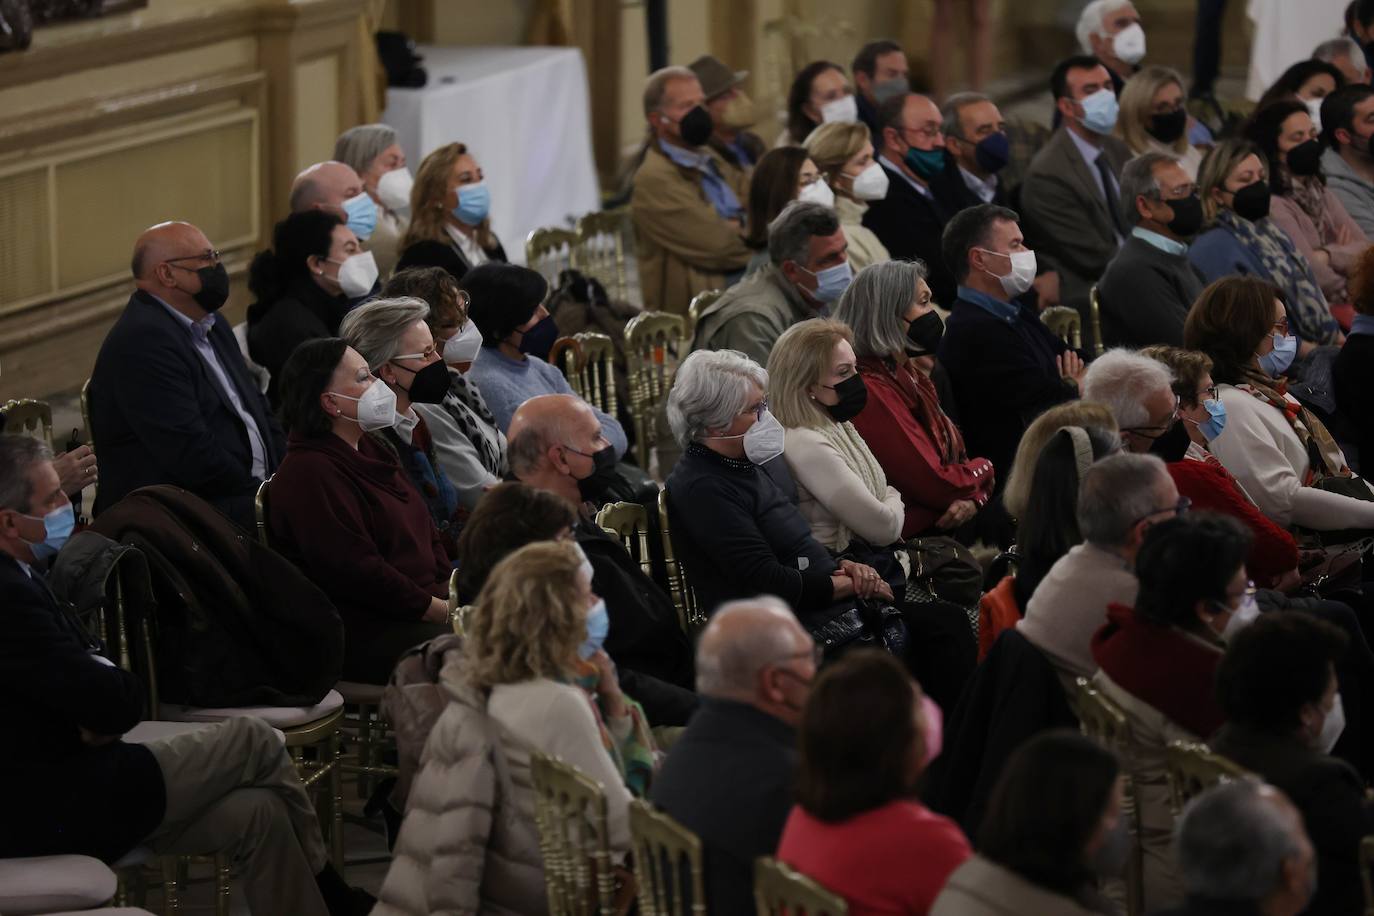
(43, 884)
(356, 692)
(134, 858)
(275, 716)
(144, 732)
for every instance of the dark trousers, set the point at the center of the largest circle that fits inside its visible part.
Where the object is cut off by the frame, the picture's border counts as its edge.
(1207, 45)
(942, 651)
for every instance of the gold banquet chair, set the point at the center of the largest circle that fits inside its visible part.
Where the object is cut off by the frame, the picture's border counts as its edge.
(574, 838)
(698, 305)
(655, 343)
(603, 250)
(1193, 768)
(667, 864)
(30, 415)
(1064, 323)
(598, 371)
(549, 250)
(629, 523)
(780, 890)
(566, 354)
(689, 613)
(1094, 324)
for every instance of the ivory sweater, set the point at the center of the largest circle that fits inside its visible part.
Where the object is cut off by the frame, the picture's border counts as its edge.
(833, 495)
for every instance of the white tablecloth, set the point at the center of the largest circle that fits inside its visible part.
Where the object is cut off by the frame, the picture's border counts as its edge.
(524, 115)
(1286, 31)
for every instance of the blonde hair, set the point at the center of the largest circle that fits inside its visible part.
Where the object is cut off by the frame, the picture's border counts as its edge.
(1219, 162)
(529, 618)
(1016, 495)
(800, 357)
(831, 145)
(1136, 98)
(427, 197)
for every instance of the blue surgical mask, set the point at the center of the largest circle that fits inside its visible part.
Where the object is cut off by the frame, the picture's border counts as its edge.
(57, 528)
(474, 200)
(1277, 360)
(1100, 110)
(832, 282)
(362, 214)
(927, 163)
(598, 625)
(1215, 422)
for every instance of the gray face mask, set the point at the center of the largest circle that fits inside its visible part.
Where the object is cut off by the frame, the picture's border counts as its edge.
(1109, 860)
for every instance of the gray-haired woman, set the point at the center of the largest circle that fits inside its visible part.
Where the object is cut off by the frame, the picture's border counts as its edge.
(896, 330)
(394, 338)
(374, 152)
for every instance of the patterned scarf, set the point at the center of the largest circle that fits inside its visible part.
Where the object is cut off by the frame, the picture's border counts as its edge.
(1309, 193)
(918, 389)
(1287, 269)
(462, 402)
(860, 460)
(634, 756)
(1322, 450)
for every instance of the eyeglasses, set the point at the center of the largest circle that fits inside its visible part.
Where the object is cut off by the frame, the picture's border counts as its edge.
(1178, 508)
(758, 410)
(929, 133)
(210, 254)
(1210, 392)
(1250, 592)
(1162, 428)
(1282, 326)
(427, 354)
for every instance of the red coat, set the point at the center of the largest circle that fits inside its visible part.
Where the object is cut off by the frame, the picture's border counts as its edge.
(919, 448)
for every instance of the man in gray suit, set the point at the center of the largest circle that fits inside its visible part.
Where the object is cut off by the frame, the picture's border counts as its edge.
(1071, 197)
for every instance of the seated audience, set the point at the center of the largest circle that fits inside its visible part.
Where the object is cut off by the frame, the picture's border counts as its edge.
(374, 152)
(909, 219)
(1149, 286)
(507, 304)
(1071, 196)
(1346, 55)
(228, 788)
(335, 188)
(471, 449)
(687, 202)
(303, 285)
(783, 175)
(1139, 391)
(1353, 374)
(1240, 238)
(1054, 826)
(808, 270)
(171, 400)
(531, 679)
(1110, 30)
(732, 113)
(881, 71)
(1307, 81)
(450, 225)
(1277, 685)
(903, 425)
(1274, 446)
(510, 515)
(978, 146)
(1154, 119)
(343, 508)
(556, 444)
(1241, 848)
(1301, 204)
(844, 155)
(857, 827)
(819, 94)
(1004, 364)
(1347, 125)
(394, 338)
(728, 777)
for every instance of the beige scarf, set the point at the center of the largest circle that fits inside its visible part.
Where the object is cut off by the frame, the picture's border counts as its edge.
(857, 455)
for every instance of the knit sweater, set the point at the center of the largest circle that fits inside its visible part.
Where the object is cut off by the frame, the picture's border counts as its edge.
(1070, 605)
(838, 487)
(864, 246)
(1351, 189)
(1145, 296)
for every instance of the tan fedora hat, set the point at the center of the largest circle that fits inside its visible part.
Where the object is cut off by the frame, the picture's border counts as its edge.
(714, 76)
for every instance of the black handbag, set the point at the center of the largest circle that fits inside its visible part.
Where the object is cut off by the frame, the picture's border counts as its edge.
(865, 625)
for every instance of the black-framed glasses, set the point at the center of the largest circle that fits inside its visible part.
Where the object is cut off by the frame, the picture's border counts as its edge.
(1211, 392)
(210, 254)
(1178, 508)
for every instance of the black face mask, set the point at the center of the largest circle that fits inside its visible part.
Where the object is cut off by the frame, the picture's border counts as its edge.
(214, 287)
(1168, 127)
(925, 334)
(1173, 445)
(853, 394)
(594, 486)
(1252, 201)
(430, 384)
(1187, 215)
(1305, 158)
(696, 126)
(538, 340)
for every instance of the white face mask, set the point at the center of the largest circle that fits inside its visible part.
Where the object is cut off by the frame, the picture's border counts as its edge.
(376, 408)
(357, 274)
(463, 346)
(1129, 44)
(870, 184)
(763, 441)
(844, 109)
(1314, 108)
(1242, 617)
(1022, 271)
(818, 192)
(1332, 727)
(393, 189)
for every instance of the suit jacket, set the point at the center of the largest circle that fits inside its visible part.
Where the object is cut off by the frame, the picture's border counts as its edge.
(159, 416)
(441, 253)
(954, 195)
(67, 797)
(910, 225)
(1065, 216)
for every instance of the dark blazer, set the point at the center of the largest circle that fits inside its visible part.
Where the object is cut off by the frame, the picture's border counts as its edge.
(1353, 376)
(275, 328)
(1145, 296)
(1330, 795)
(159, 416)
(910, 225)
(954, 195)
(435, 253)
(1065, 216)
(65, 796)
(728, 779)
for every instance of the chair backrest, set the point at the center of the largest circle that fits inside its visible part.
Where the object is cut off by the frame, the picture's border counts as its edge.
(697, 305)
(566, 354)
(689, 612)
(453, 609)
(598, 371)
(603, 250)
(630, 523)
(260, 513)
(570, 812)
(1064, 323)
(655, 343)
(549, 250)
(86, 411)
(782, 891)
(667, 864)
(30, 416)
(1193, 768)
(1094, 323)
(132, 645)
(1099, 717)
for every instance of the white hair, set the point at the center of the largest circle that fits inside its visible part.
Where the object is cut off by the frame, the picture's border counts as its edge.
(710, 390)
(1231, 841)
(1092, 20)
(728, 668)
(1345, 46)
(374, 328)
(1123, 380)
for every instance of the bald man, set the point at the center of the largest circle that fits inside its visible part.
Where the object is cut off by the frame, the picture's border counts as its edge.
(335, 187)
(171, 399)
(728, 778)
